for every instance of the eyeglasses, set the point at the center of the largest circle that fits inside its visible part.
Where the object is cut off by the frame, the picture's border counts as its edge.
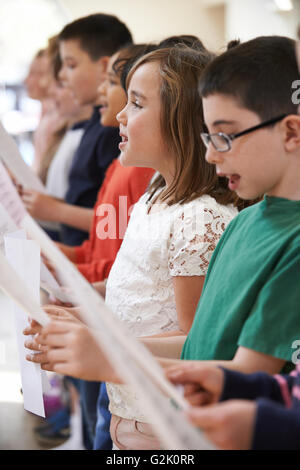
(222, 142)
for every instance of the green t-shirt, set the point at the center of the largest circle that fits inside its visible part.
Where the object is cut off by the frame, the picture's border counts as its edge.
(251, 296)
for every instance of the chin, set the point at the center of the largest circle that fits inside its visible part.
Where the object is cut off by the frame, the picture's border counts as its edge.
(248, 195)
(125, 160)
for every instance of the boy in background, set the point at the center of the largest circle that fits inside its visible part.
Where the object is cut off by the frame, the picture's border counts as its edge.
(85, 47)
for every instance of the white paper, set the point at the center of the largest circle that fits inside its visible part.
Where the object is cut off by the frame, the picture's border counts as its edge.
(51, 286)
(134, 362)
(13, 160)
(10, 198)
(7, 225)
(24, 257)
(15, 288)
(12, 211)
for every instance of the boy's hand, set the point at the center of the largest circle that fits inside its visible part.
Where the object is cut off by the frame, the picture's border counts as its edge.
(203, 384)
(229, 425)
(69, 348)
(40, 206)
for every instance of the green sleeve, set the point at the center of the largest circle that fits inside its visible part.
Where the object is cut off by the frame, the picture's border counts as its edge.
(274, 322)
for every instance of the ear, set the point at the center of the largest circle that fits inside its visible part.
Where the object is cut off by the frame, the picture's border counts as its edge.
(291, 128)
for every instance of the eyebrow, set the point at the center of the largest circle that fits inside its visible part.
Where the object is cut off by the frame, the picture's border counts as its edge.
(222, 121)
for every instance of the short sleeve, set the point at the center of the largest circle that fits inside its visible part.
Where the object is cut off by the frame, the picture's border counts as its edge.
(194, 235)
(274, 322)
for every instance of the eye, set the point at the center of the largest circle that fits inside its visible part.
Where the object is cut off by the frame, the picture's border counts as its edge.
(136, 104)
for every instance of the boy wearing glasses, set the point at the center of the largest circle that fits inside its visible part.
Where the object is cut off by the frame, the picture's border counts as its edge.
(259, 411)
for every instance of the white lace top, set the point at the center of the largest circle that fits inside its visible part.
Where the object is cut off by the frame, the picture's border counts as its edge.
(170, 241)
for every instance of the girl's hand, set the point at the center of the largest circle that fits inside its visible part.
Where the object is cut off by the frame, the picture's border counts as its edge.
(203, 384)
(69, 348)
(40, 206)
(229, 425)
(35, 329)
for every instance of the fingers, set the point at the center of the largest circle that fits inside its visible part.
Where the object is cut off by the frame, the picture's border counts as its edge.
(205, 418)
(186, 373)
(199, 399)
(52, 340)
(33, 328)
(33, 345)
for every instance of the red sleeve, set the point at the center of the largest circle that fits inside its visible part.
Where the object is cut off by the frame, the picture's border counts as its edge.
(96, 270)
(81, 252)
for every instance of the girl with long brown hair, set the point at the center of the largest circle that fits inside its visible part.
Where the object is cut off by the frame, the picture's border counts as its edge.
(157, 278)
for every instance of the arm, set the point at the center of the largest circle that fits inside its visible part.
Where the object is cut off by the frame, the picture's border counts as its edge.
(44, 207)
(68, 251)
(242, 425)
(187, 291)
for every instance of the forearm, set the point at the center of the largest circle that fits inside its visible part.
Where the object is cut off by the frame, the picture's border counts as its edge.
(165, 347)
(74, 216)
(250, 386)
(276, 427)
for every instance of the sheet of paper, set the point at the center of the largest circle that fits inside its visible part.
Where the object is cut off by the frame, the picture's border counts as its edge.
(24, 257)
(13, 160)
(15, 288)
(7, 225)
(9, 197)
(51, 286)
(12, 211)
(134, 362)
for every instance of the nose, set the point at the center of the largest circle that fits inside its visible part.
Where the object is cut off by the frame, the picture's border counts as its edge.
(101, 90)
(122, 116)
(213, 156)
(62, 75)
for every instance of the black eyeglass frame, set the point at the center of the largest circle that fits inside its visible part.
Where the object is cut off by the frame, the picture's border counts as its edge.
(230, 137)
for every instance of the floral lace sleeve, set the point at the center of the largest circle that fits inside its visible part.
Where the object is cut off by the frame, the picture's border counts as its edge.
(196, 230)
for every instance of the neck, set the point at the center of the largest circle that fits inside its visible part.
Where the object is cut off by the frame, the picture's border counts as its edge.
(83, 115)
(288, 187)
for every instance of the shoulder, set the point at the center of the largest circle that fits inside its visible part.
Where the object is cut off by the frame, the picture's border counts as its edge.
(206, 207)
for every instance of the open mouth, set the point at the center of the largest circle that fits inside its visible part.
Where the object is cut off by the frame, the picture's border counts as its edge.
(233, 182)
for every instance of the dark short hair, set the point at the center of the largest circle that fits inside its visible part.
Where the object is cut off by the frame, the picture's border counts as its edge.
(99, 34)
(184, 39)
(257, 73)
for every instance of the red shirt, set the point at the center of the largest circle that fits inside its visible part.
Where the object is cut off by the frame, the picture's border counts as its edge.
(121, 188)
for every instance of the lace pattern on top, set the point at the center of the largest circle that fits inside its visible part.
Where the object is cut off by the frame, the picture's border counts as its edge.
(171, 241)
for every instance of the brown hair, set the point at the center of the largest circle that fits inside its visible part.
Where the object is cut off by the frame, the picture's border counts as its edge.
(182, 122)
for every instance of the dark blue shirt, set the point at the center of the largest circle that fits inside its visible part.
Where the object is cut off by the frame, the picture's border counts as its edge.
(97, 148)
(277, 422)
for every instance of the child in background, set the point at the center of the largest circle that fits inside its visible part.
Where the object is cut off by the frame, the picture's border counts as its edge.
(85, 47)
(122, 187)
(58, 158)
(156, 280)
(52, 125)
